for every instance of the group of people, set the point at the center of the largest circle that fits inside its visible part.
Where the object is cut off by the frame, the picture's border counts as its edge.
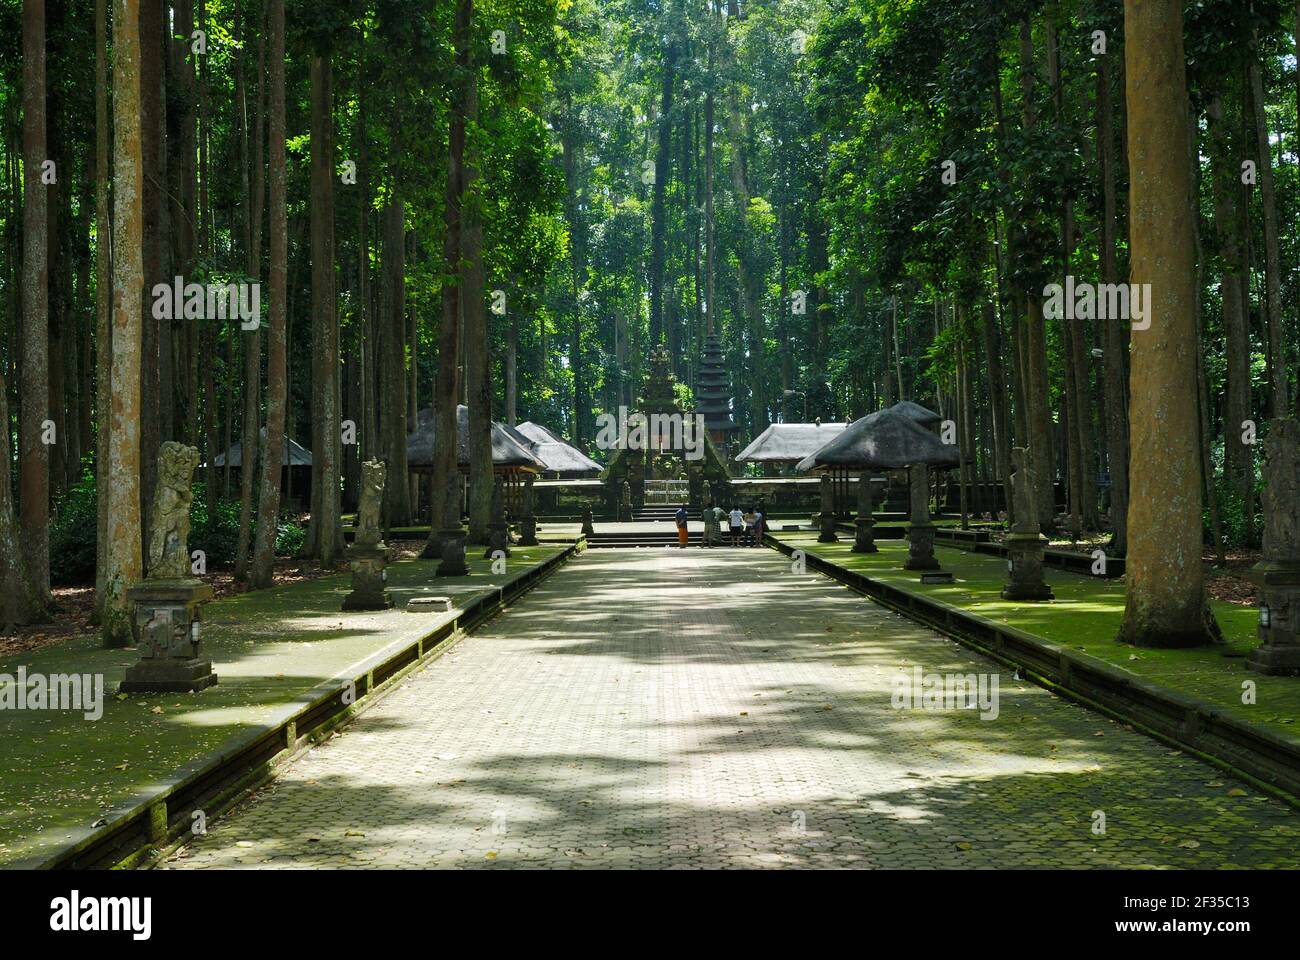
(746, 528)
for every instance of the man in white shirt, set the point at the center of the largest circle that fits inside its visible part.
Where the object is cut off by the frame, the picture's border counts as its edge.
(737, 525)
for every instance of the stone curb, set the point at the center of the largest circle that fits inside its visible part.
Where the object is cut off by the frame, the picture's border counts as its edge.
(1270, 761)
(160, 815)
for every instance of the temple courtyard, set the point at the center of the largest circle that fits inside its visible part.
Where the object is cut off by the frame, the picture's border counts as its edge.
(665, 708)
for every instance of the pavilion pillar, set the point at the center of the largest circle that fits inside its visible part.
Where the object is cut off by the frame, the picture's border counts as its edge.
(1025, 542)
(826, 519)
(1278, 571)
(863, 538)
(920, 531)
(453, 537)
(528, 521)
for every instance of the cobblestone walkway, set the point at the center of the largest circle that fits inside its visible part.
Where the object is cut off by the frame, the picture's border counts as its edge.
(665, 708)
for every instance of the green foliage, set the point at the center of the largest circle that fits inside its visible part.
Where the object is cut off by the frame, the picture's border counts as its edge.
(214, 529)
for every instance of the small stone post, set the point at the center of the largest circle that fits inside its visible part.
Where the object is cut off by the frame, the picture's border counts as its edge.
(1025, 543)
(826, 519)
(528, 522)
(920, 531)
(498, 530)
(863, 537)
(167, 602)
(368, 555)
(453, 534)
(1278, 571)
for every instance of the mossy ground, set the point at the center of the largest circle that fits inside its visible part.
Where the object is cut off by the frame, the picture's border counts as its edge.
(1085, 616)
(60, 772)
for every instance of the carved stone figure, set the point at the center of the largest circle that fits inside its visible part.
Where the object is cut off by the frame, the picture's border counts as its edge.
(368, 532)
(169, 551)
(168, 601)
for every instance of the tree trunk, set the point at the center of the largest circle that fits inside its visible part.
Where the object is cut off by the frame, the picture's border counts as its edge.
(1229, 225)
(397, 490)
(325, 378)
(123, 555)
(1279, 387)
(249, 443)
(658, 228)
(103, 305)
(268, 509)
(1115, 352)
(478, 363)
(445, 505)
(34, 459)
(1166, 604)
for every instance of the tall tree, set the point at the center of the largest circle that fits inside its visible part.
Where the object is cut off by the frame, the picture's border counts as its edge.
(325, 538)
(1165, 601)
(34, 457)
(123, 555)
(268, 509)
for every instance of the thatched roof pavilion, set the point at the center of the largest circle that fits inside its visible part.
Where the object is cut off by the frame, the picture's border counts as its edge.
(559, 456)
(789, 442)
(885, 440)
(509, 455)
(294, 454)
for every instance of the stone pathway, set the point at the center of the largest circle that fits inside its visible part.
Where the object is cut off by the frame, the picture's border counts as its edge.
(667, 708)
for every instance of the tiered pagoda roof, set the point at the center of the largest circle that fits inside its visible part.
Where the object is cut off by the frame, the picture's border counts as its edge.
(712, 394)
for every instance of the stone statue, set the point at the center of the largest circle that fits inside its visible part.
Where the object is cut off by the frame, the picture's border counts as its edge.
(368, 533)
(1025, 543)
(1024, 509)
(167, 603)
(169, 518)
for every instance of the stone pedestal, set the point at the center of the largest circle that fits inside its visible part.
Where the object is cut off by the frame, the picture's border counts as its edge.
(369, 578)
(920, 531)
(453, 553)
(1279, 620)
(920, 547)
(528, 522)
(863, 534)
(528, 532)
(826, 519)
(1025, 568)
(1278, 572)
(588, 526)
(167, 636)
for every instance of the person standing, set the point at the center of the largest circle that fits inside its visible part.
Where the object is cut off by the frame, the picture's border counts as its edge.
(759, 521)
(681, 527)
(737, 520)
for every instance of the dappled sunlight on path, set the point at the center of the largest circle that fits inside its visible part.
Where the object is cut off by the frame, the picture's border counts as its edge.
(669, 708)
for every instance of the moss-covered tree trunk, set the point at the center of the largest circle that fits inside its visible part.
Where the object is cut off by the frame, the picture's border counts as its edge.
(1166, 602)
(122, 556)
